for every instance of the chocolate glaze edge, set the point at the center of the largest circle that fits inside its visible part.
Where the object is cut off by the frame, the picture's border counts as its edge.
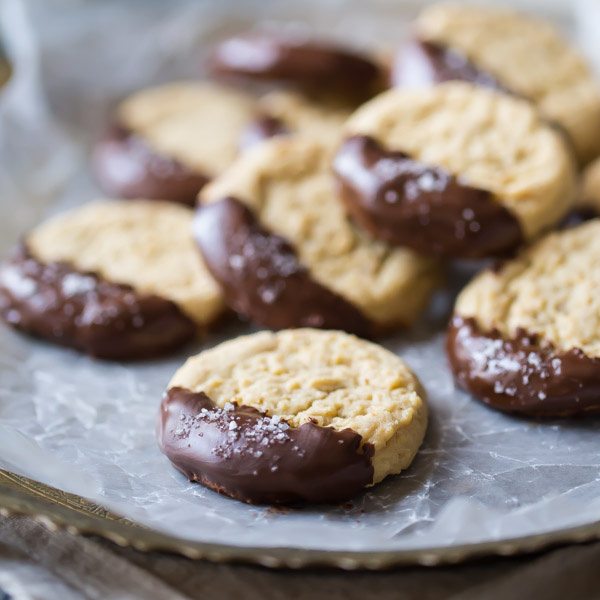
(82, 310)
(423, 62)
(523, 374)
(241, 452)
(261, 276)
(126, 166)
(301, 62)
(408, 203)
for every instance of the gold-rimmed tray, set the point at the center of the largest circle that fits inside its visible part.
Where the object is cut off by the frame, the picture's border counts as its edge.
(60, 510)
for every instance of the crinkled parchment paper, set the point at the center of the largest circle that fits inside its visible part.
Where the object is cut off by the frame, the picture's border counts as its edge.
(88, 427)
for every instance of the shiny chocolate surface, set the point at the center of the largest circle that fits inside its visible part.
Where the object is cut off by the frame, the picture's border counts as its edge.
(524, 374)
(243, 453)
(84, 311)
(261, 276)
(408, 203)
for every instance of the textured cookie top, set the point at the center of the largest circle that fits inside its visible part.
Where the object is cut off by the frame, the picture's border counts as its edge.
(551, 289)
(145, 244)
(490, 140)
(198, 124)
(288, 184)
(321, 118)
(529, 57)
(332, 377)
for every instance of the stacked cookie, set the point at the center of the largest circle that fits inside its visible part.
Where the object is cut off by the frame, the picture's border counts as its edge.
(327, 206)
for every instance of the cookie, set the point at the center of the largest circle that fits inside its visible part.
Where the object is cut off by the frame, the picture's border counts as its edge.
(454, 170)
(525, 337)
(296, 416)
(296, 59)
(499, 48)
(115, 280)
(276, 237)
(166, 142)
(286, 112)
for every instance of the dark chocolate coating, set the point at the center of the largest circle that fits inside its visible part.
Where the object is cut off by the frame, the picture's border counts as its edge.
(259, 459)
(421, 63)
(302, 62)
(524, 374)
(84, 311)
(127, 167)
(261, 277)
(405, 202)
(261, 129)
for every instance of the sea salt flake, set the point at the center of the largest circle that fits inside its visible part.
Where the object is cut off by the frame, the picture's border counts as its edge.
(73, 284)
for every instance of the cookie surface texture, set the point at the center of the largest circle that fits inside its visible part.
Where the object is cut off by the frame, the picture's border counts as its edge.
(112, 270)
(298, 415)
(524, 337)
(465, 171)
(297, 259)
(519, 53)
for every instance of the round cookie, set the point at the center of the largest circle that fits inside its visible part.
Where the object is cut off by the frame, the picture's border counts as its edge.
(285, 112)
(166, 142)
(275, 236)
(296, 416)
(525, 337)
(296, 59)
(501, 48)
(115, 280)
(454, 170)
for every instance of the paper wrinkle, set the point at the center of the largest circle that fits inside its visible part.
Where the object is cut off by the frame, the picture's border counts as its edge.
(88, 426)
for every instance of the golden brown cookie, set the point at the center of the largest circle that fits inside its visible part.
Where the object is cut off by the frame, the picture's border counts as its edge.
(112, 279)
(525, 336)
(276, 237)
(166, 142)
(454, 170)
(497, 47)
(299, 415)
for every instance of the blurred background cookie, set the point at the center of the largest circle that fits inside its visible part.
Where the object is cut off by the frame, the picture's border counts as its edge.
(276, 237)
(285, 112)
(500, 48)
(167, 142)
(115, 280)
(454, 170)
(295, 58)
(295, 416)
(525, 336)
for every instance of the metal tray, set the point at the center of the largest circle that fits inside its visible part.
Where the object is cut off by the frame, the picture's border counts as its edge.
(59, 510)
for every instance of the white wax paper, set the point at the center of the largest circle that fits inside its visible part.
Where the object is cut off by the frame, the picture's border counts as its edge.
(88, 427)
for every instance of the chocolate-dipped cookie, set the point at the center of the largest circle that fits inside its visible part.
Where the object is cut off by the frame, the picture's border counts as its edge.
(296, 416)
(503, 49)
(297, 60)
(454, 170)
(525, 336)
(275, 236)
(114, 280)
(165, 143)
